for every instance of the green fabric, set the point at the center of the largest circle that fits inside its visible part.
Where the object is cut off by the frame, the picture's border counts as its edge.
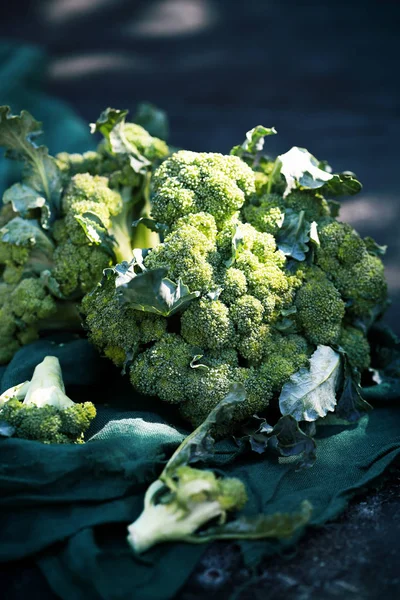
(69, 506)
(23, 71)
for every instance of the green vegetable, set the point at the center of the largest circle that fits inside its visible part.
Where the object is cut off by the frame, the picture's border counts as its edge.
(253, 276)
(39, 410)
(70, 218)
(193, 505)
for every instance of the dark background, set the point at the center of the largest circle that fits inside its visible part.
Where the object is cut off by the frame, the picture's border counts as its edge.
(326, 74)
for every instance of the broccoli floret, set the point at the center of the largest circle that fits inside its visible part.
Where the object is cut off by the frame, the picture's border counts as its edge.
(30, 302)
(358, 275)
(356, 346)
(46, 414)
(207, 323)
(197, 498)
(320, 309)
(150, 147)
(192, 182)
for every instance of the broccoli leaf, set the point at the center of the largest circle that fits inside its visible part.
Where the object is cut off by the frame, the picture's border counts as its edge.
(198, 446)
(153, 119)
(310, 393)
(41, 187)
(278, 525)
(152, 292)
(294, 235)
(351, 405)
(254, 142)
(26, 232)
(96, 232)
(290, 440)
(152, 225)
(237, 243)
(342, 184)
(374, 248)
(111, 125)
(300, 168)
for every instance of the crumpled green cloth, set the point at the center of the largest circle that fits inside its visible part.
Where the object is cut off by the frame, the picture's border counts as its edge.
(23, 70)
(69, 506)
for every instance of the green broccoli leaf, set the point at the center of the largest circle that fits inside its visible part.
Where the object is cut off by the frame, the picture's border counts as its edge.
(342, 184)
(27, 233)
(278, 525)
(151, 224)
(152, 292)
(237, 243)
(300, 168)
(288, 438)
(198, 446)
(311, 393)
(96, 232)
(153, 119)
(294, 235)
(351, 405)
(374, 248)
(111, 125)
(41, 187)
(254, 142)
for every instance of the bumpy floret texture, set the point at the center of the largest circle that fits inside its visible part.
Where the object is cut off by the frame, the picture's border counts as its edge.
(48, 424)
(192, 182)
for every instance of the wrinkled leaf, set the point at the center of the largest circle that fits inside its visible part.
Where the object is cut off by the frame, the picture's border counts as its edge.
(351, 405)
(96, 232)
(294, 235)
(311, 393)
(27, 233)
(41, 186)
(153, 119)
(152, 225)
(290, 440)
(342, 184)
(111, 125)
(374, 248)
(300, 168)
(198, 446)
(254, 142)
(152, 292)
(278, 525)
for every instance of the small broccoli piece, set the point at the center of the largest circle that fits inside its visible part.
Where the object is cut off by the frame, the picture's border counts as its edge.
(72, 164)
(356, 346)
(198, 498)
(320, 309)
(191, 182)
(188, 252)
(150, 147)
(46, 414)
(207, 323)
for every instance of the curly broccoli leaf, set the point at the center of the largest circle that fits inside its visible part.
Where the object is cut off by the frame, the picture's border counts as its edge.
(41, 187)
(300, 168)
(152, 292)
(26, 232)
(374, 248)
(342, 184)
(294, 235)
(311, 393)
(96, 232)
(278, 525)
(111, 125)
(289, 439)
(253, 143)
(198, 446)
(152, 225)
(153, 119)
(351, 405)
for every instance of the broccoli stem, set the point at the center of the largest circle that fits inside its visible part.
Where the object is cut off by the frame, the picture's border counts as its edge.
(47, 386)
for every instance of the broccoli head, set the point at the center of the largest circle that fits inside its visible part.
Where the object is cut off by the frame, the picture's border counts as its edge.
(39, 410)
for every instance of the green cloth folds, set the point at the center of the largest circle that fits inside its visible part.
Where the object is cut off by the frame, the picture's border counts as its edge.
(69, 506)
